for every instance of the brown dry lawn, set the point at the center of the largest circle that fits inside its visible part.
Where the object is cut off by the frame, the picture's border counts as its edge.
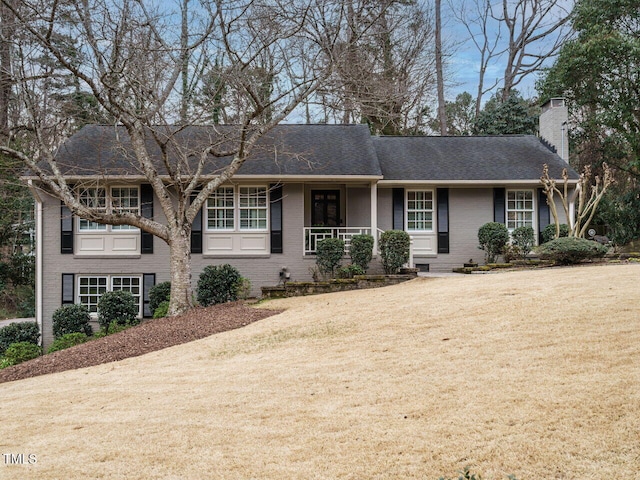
(535, 374)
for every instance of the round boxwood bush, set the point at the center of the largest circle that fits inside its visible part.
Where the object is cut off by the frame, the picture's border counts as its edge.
(67, 340)
(71, 319)
(394, 250)
(570, 250)
(218, 284)
(549, 232)
(493, 236)
(329, 253)
(21, 352)
(18, 332)
(119, 307)
(361, 250)
(159, 293)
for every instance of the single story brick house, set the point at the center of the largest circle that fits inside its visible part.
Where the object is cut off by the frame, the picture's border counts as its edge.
(303, 183)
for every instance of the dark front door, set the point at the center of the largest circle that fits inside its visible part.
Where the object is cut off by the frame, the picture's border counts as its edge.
(325, 209)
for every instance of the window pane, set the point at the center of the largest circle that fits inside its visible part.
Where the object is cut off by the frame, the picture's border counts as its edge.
(220, 209)
(253, 208)
(420, 210)
(125, 199)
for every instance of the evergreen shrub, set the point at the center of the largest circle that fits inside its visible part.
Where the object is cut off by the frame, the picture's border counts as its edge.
(361, 251)
(21, 352)
(159, 293)
(549, 232)
(329, 253)
(394, 250)
(218, 284)
(571, 250)
(493, 237)
(71, 319)
(118, 306)
(18, 332)
(67, 340)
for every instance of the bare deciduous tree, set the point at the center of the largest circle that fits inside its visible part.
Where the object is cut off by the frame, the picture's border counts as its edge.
(586, 197)
(133, 63)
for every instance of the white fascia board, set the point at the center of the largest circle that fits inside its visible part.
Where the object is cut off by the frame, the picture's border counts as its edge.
(467, 183)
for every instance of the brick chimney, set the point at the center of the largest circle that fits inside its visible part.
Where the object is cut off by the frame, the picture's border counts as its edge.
(553, 126)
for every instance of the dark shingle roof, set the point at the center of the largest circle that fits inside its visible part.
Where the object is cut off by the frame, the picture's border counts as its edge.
(488, 158)
(327, 150)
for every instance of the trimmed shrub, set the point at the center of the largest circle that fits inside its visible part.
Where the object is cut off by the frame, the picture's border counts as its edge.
(67, 340)
(361, 251)
(492, 236)
(329, 253)
(570, 250)
(522, 238)
(349, 271)
(71, 319)
(549, 232)
(162, 310)
(21, 352)
(218, 284)
(159, 293)
(119, 307)
(394, 250)
(18, 332)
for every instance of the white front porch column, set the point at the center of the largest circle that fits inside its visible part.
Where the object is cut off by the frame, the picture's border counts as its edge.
(374, 215)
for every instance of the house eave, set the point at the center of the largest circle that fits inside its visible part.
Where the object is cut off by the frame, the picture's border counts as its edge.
(469, 183)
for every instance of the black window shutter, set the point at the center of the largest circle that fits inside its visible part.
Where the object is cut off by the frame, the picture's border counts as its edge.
(66, 229)
(146, 210)
(499, 205)
(544, 213)
(196, 231)
(148, 281)
(68, 280)
(443, 219)
(398, 208)
(276, 218)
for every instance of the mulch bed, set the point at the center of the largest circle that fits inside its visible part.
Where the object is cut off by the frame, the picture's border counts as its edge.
(147, 337)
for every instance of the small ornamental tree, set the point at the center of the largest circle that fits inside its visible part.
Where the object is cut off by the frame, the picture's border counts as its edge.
(329, 253)
(361, 251)
(493, 237)
(394, 250)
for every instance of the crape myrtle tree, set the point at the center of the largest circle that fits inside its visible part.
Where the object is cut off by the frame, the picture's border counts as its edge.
(135, 59)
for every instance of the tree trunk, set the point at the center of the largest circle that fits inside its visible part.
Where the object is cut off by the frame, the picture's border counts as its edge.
(442, 113)
(180, 257)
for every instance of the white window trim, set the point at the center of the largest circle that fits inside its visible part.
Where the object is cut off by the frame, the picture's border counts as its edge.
(236, 212)
(109, 288)
(104, 228)
(432, 210)
(533, 208)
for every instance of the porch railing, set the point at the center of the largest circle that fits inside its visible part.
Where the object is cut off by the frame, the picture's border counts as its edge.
(312, 235)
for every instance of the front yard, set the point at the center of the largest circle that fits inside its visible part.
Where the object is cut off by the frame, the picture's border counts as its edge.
(531, 373)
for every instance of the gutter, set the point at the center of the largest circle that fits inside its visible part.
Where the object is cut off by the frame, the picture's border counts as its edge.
(38, 285)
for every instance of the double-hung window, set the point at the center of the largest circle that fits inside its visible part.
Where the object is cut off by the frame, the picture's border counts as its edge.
(92, 287)
(121, 199)
(519, 209)
(420, 210)
(96, 198)
(237, 209)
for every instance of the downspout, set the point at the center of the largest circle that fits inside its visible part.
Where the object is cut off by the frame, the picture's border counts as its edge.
(374, 216)
(38, 225)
